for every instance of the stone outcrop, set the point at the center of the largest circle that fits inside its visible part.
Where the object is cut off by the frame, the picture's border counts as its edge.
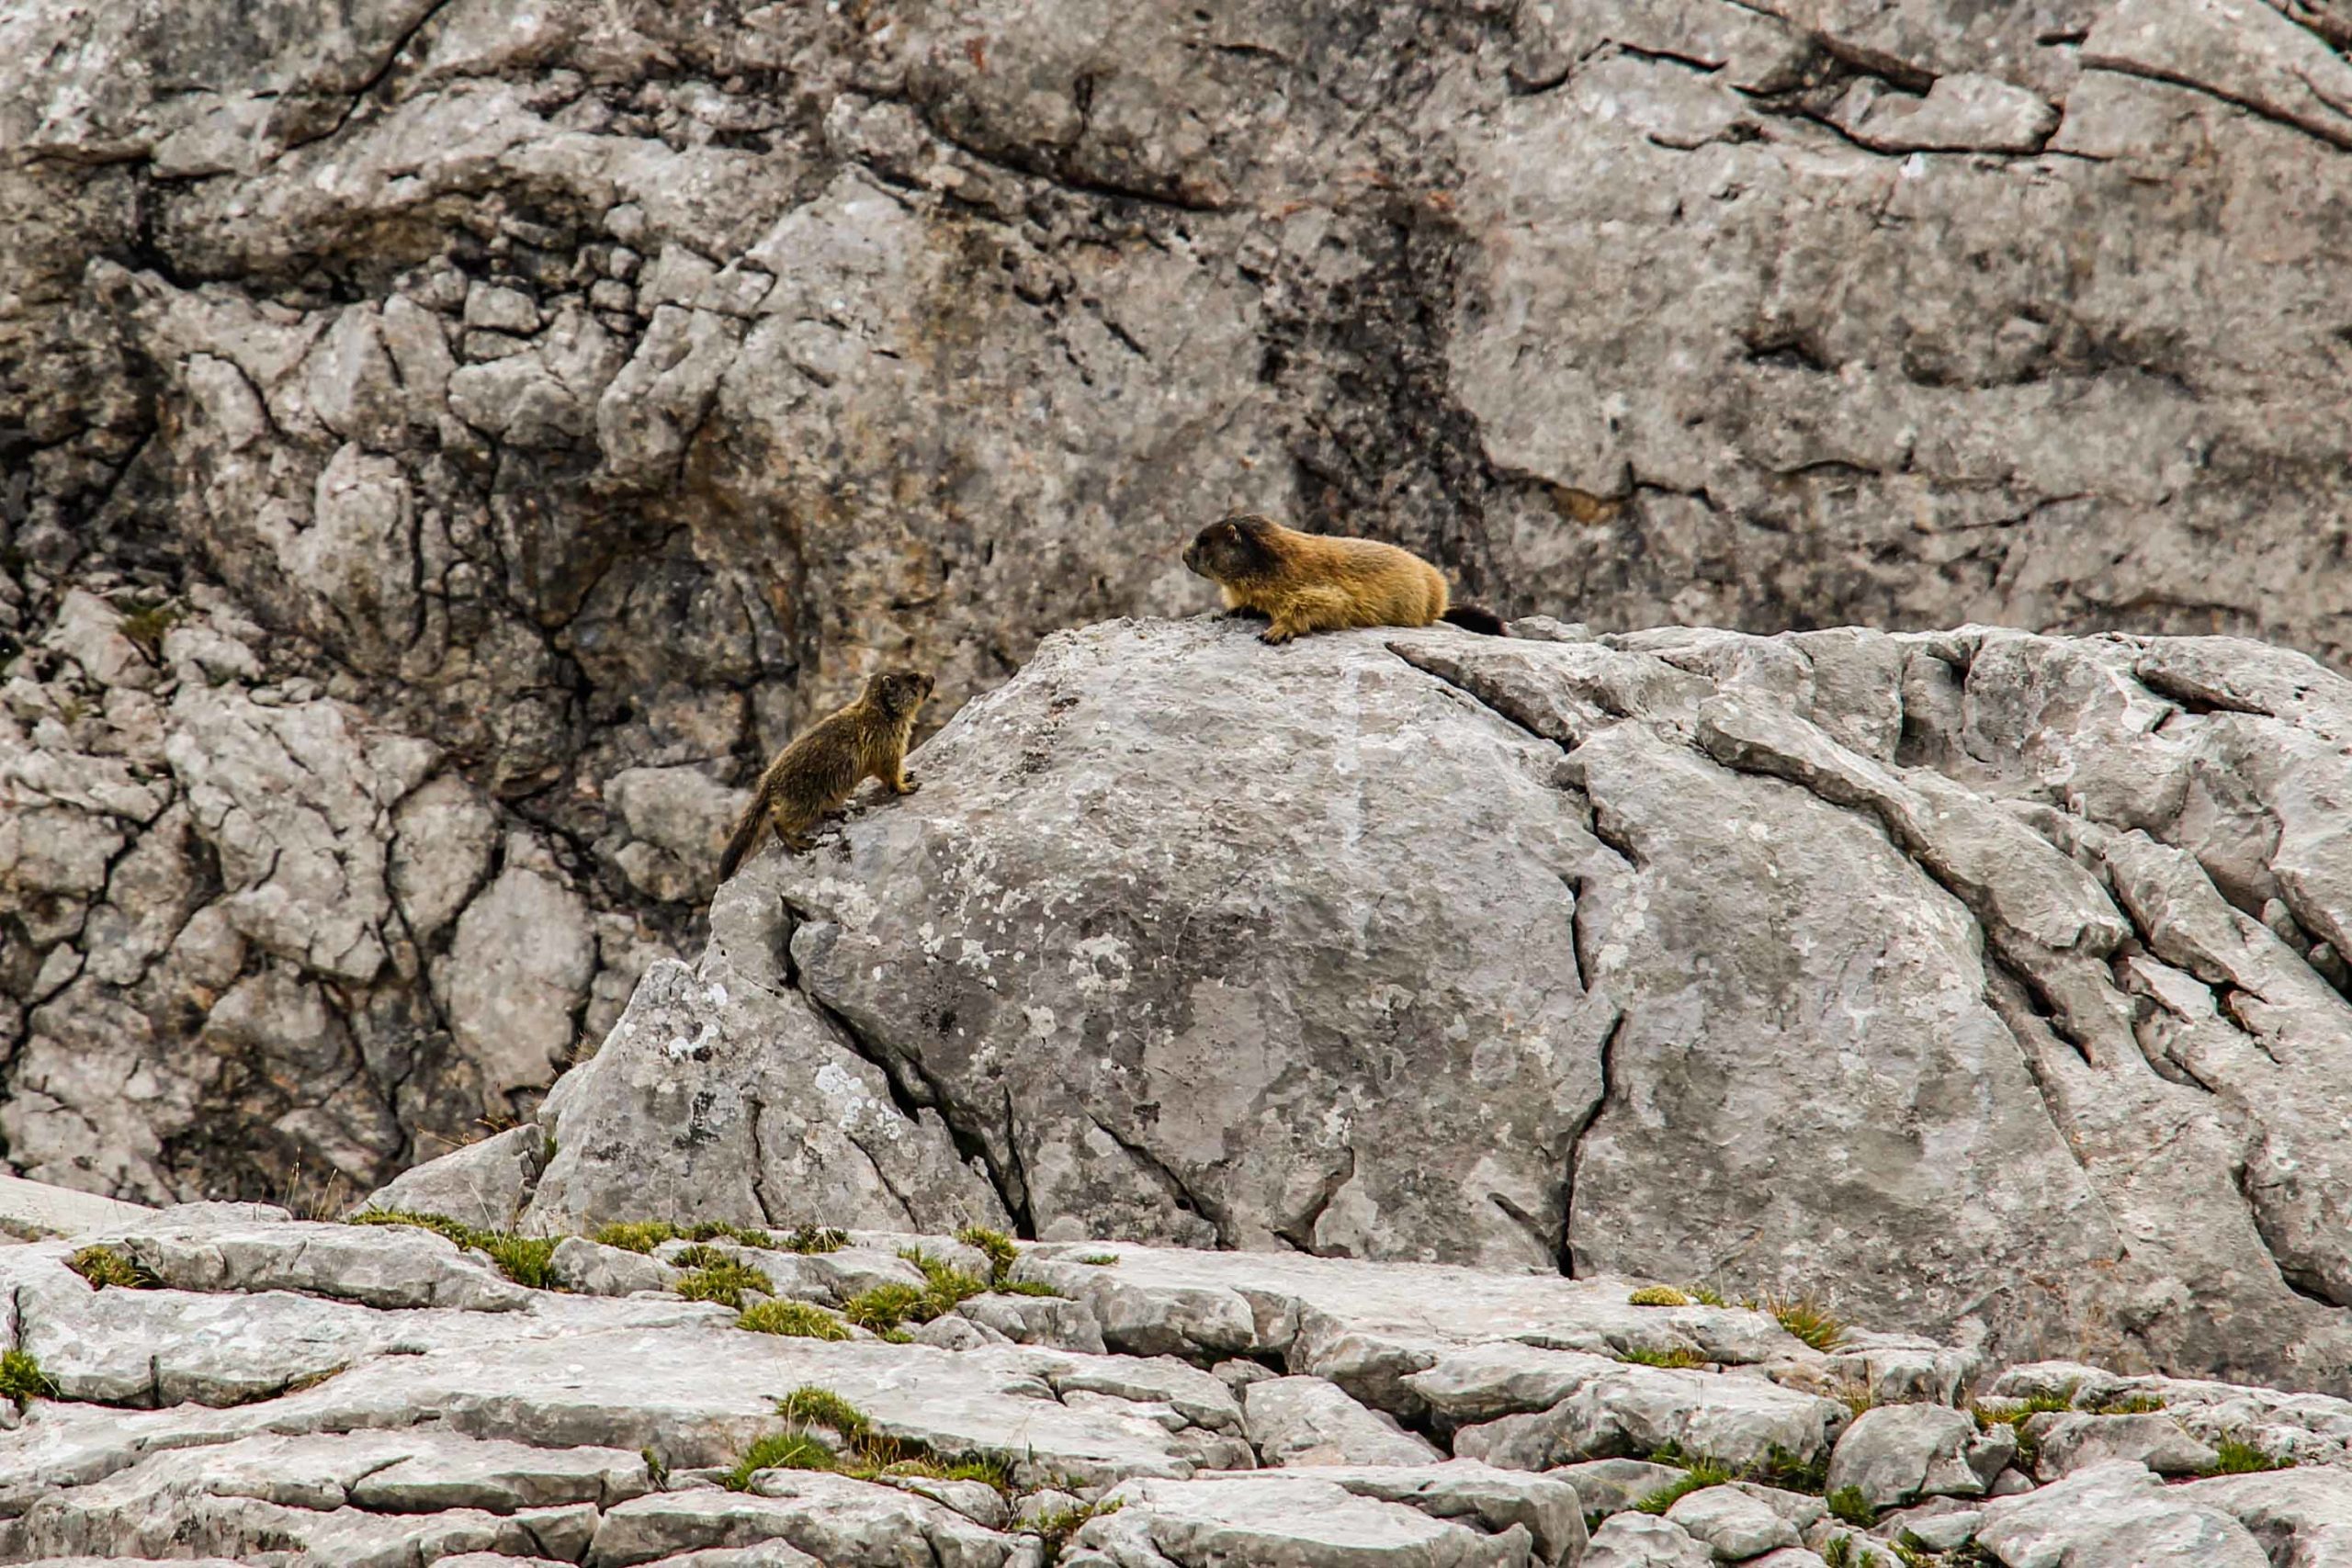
(223, 1384)
(1980, 984)
(531, 416)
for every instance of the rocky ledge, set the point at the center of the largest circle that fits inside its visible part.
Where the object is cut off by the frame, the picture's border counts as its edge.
(221, 1380)
(1982, 985)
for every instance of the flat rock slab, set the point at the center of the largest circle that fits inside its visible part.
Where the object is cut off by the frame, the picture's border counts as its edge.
(40, 1208)
(2116, 1516)
(1368, 1325)
(1598, 1409)
(1291, 1521)
(833, 1520)
(1638, 1540)
(1307, 1421)
(1548, 1508)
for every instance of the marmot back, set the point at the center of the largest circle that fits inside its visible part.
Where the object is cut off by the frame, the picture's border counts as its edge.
(1315, 582)
(823, 765)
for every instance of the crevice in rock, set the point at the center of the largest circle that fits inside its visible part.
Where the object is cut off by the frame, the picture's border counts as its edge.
(1180, 1193)
(2194, 699)
(913, 1088)
(1579, 940)
(1025, 1220)
(2147, 72)
(1576, 1142)
(760, 1160)
(1300, 1233)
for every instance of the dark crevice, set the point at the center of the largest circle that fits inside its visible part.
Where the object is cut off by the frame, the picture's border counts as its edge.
(1178, 1191)
(2147, 72)
(2193, 698)
(760, 1162)
(1579, 951)
(912, 1088)
(1301, 1233)
(1576, 1141)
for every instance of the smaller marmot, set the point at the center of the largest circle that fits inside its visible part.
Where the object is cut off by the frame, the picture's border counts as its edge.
(822, 767)
(1314, 583)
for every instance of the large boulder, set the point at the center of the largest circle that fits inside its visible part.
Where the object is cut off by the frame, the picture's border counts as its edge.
(601, 395)
(1850, 965)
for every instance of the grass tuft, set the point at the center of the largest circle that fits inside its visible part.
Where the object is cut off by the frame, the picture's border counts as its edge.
(634, 1235)
(1101, 1259)
(1056, 1527)
(724, 1282)
(812, 1239)
(22, 1379)
(1783, 1469)
(644, 1235)
(884, 1308)
(809, 1405)
(944, 1286)
(1658, 1296)
(1848, 1505)
(1705, 1295)
(103, 1266)
(1838, 1552)
(1025, 1288)
(2136, 1404)
(525, 1259)
(2243, 1458)
(1801, 1316)
(864, 1453)
(146, 626)
(1697, 1478)
(780, 1450)
(795, 1319)
(1680, 1355)
(996, 1247)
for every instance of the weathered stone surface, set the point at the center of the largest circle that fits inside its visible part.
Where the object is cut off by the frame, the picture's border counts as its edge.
(1623, 1410)
(600, 399)
(1731, 1523)
(1638, 1540)
(2065, 1443)
(483, 1184)
(1614, 1485)
(1307, 1421)
(2039, 827)
(1899, 1368)
(581, 1265)
(41, 1209)
(2116, 1513)
(391, 1266)
(1551, 1511)
(1328, 1161)
(1894, 1454)
(1294, 1521)
(831, 1518)
(2302, 1517)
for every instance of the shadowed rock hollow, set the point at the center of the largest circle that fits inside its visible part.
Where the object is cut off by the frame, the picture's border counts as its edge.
(1977, 982)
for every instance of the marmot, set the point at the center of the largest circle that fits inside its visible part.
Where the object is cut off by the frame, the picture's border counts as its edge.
(822, 767)
(1312, 582)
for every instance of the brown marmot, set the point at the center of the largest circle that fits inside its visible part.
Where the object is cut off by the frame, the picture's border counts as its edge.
(1314, 583)
(824, 766)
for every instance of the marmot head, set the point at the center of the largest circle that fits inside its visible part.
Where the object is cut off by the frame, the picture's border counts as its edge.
(1240, 545)
(898, 691)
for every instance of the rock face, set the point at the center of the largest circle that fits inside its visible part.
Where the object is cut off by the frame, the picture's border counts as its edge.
(253, 1388)
(1849, 964)
(555, 407)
